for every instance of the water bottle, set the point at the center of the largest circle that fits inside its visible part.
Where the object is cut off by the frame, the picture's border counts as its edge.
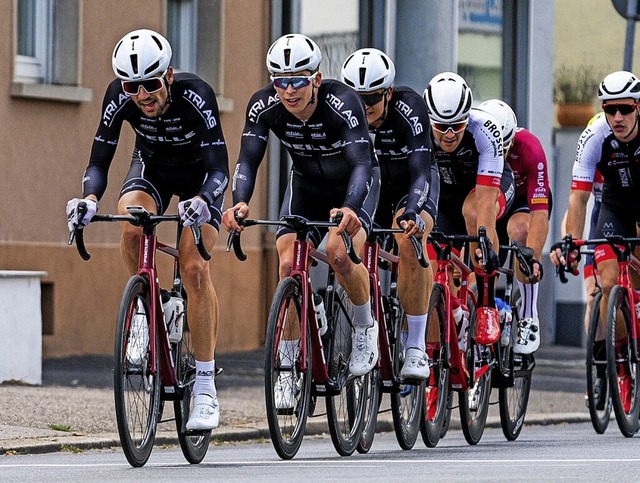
(174, 316)
(506, 316)
(321, 316)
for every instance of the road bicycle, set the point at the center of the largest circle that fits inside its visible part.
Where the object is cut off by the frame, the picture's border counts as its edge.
(380, 250)
(622, 328)
(468, 371)
(148, 368)
(512, 372)
(302, 360)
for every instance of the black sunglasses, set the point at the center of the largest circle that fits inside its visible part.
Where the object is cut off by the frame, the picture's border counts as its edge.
(150, 85)
(296, 81)
(623, 108)
(373, 99)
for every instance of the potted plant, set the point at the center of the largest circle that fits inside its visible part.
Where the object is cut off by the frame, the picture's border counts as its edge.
(575, 89)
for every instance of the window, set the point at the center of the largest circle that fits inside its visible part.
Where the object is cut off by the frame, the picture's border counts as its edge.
(194, 30)
(47, 51)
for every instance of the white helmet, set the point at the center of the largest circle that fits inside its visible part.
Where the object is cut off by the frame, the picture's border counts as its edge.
(505, 116)
(448, 98)
(293, 53)
(140, 55)
(368, 70)
(619, 85)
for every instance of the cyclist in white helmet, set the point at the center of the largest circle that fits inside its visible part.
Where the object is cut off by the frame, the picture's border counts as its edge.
(610, 145)
(398, 123)
(179, 150)
(323, 126)
(527, 221)
(476, 185)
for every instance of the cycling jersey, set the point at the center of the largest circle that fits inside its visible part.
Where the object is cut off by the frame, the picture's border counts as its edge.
(188, 136)
(530, 173)
(332, 145)
(403, 149)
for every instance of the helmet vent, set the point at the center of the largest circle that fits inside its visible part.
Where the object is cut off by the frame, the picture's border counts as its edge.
(134, 63)
(287, 56)
(303, 62)
(157, 41)
(362, 71)
(152, 67)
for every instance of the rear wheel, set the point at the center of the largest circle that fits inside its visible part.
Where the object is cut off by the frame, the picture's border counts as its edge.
(474, 403)
(406, 403)
(287, 387)
(194, 445)
(346, 409)
(136, 389)
(622, 370)
(513, 397)
(436, 395)
(598, 397)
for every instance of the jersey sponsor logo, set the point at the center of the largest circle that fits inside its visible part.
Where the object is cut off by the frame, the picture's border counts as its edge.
(166, 139)
(313, 147)
(624, 177)
(496, 134)
(294, 134)
(406, 111)
(318, 135)
(258, 106)
(113, 107)
(539, 201)
(446, 175)
(338, 105)
(195, 99)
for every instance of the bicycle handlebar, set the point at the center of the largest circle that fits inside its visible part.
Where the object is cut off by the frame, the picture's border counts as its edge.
(415, 242)
(299, 225)
(137, 216)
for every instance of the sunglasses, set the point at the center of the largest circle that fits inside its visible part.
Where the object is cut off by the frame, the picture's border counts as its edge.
(150, 85)
(297, 81)
(623, 108)
(443, 127)
(372, 99)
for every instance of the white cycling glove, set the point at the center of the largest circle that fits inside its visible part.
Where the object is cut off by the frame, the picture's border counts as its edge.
(72, 212)
(194, 211)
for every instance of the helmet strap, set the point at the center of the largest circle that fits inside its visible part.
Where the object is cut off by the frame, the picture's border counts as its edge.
(385, 111)
(633, 128)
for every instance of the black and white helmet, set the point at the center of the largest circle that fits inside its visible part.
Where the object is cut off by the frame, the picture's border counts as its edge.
(293, 53)
(140, 55)
(505, 116)
(619, 85)
(368, 70)
(448, 98)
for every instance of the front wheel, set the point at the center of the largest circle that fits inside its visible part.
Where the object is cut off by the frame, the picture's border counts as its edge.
(598, 398)
(194, 445)
(621, 368)
(136, 390)
(474, 403)
(287, 387)
(513, 397)
(437, 393)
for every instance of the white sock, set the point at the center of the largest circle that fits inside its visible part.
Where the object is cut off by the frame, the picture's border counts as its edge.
(204, 383)
(417, 327)
(362, 315)
(287, 351)
(529, 296)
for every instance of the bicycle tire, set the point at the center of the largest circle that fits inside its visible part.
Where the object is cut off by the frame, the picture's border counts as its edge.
(513, 398)
(437, 391)
(345, 410)
(136, 390)
(372, 406)
(599, 417)
(286, 425)
(406, 403)
(194, 446)
(473, 417)
(623, 373)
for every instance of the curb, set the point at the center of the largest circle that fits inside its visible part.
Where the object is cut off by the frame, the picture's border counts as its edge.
(77, 443)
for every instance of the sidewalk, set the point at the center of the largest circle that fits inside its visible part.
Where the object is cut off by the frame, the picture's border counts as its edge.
(73, 409)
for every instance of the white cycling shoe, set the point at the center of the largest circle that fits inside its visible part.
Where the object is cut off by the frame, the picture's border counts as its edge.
(416, 364)
(528, 336)
(205, 413)
(364, 352)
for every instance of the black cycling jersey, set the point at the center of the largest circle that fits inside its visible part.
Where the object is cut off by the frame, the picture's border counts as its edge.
(403, 148)
(333, 144)
(187, 135)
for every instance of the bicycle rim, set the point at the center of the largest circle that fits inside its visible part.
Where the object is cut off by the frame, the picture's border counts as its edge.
(282, 370)
(136, 390)
(406, 401)
(474, 403)
(514, 398)
(596, 357)
(345, 410)
(623, 373)
(194, 446)
(373, 396)
(436, 391)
